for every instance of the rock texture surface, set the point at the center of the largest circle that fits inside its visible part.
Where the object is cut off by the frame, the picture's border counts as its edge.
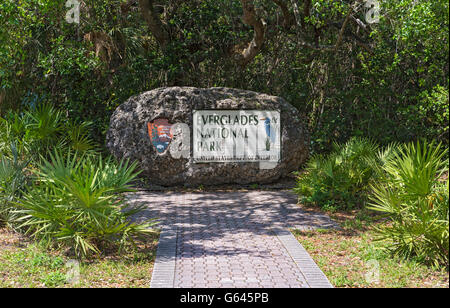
(128, 136)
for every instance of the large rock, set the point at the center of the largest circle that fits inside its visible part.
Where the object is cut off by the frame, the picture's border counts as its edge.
(128, 136)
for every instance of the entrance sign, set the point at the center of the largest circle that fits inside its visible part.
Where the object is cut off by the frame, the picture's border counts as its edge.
(184, 136)
(236, 136)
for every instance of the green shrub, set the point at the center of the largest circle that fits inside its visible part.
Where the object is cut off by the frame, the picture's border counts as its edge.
(25, 138)
(414, 198)
(76, 201)
(40, 129)
(72, 197)
(12, 183)
(431, 115)
(11, 132)
(340, 179)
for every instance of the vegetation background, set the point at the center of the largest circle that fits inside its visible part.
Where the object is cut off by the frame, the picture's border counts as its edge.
(387, 80)
(372, 94)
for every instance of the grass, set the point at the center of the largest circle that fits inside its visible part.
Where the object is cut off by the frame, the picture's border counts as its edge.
(350, 257)
(24, 264)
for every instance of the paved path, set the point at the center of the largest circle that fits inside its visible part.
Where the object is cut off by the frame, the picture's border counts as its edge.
(231, 239)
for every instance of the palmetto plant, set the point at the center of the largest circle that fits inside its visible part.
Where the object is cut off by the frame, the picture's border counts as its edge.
(39, 130)
(12, 183)
(78, 136)
(45, 122)
(73, 197)
(412, 195)
(12, 131)
(338, 180)
(76, 201)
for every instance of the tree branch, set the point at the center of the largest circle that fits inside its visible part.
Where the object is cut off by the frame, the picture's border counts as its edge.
(289, 19)
(343, 32)
(297, 16)
(306, 11)
(344, 25)
(154, 22)
(126, 6)
(250, 18)
(357, 39)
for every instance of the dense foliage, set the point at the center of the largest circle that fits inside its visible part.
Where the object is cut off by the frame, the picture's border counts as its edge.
(386, 80)
(77, 201)
(12, 184)
(406, 183)
(340, 179)
(415, 198)
(56, 187)
(39, 129)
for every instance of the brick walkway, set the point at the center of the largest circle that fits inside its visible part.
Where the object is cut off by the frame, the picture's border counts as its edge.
(231, 239)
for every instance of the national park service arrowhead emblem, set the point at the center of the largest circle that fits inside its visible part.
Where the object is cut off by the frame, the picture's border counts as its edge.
(160, 135)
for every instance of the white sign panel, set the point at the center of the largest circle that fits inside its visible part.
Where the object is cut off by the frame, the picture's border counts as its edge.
(236, 136)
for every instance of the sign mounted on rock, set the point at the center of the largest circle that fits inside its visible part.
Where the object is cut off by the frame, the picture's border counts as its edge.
(190, 136)
(236, 136)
